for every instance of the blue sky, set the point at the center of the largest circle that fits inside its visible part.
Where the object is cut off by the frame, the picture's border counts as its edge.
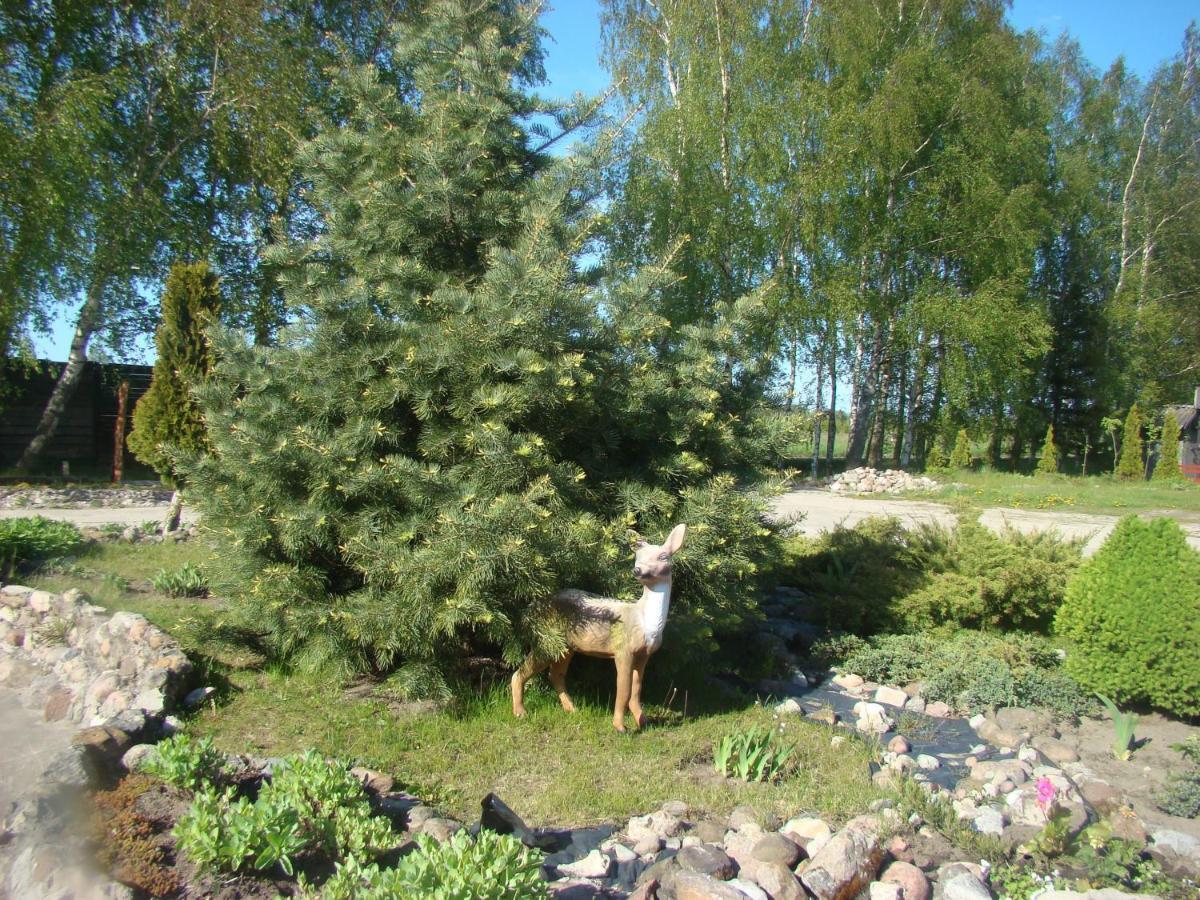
(1144, 33)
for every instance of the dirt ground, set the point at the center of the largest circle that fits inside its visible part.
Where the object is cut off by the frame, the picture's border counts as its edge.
(1142, 777)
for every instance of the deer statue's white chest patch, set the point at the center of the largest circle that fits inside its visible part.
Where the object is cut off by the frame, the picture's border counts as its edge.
(656, 600)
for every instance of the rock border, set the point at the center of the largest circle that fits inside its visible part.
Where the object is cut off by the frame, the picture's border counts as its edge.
(118, 677)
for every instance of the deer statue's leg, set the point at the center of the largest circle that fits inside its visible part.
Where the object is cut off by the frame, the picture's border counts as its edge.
(635, 692)
(528, 669)
(558, 678)
(624, 664)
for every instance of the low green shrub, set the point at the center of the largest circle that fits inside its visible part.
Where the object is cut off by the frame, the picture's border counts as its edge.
(878, 576)
(30, 539)
(751, 755)
(186, 581)
(1132, 613)
(186, 763)
(973, 670)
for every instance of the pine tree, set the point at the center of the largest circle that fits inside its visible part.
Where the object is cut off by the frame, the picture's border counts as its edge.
(960, 457)
(1130, 466)
(1048, 461)
(1167, 466)
(167, 421)
(458, 425)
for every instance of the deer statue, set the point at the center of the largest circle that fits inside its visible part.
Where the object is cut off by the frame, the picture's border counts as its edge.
(626, 633)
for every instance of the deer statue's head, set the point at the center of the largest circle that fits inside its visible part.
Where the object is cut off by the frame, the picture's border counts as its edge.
(652, 562)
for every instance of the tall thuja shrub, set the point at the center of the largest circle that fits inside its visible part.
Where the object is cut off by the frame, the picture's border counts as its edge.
(1048, 461)
(960, 456)
(1132, 612)
(453, 430)
(1129, 464)
(1167, 467)
(167, 420)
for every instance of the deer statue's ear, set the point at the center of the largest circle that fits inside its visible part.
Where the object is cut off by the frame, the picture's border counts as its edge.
(635, 539)
(675, 539)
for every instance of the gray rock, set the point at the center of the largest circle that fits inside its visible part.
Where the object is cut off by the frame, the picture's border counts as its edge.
(706, 859)
(891, 696)
(790, 707)
(989, 821)
(882, 890)
(777, 848)
(748, 889)
(694, 886)
(1055, 750)
(441, 830)
(928, 763)
(963, 886)
(137, 755)
(778, 881)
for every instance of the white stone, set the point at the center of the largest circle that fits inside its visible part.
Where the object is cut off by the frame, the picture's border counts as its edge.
(928, 763)
(965, 886)
(891, 696)
(594, 865)
(989, 821)
(748, 889)
(790, 707)
(881, 890)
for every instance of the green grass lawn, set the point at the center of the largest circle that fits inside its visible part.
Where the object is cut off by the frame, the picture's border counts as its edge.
(553, 768)
(1093, 494)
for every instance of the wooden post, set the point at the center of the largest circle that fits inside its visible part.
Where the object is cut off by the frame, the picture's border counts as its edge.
(118, 467)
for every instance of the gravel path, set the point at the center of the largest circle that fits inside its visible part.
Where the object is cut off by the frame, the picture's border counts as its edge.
(96, 516)
(824, 511)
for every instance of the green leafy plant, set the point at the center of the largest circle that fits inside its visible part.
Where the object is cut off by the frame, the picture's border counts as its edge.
(186, 581)
(1132, 616)
(185, 762)
(1124, 724)
(28, 539)
(751, 755)
(308, 805)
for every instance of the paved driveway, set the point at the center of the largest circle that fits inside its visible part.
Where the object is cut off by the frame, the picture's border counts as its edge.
(824, 510)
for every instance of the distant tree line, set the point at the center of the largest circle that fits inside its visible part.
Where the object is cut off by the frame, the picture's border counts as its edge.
(969, 227)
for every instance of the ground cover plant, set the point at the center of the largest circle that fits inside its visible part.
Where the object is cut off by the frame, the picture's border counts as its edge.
(971, 671)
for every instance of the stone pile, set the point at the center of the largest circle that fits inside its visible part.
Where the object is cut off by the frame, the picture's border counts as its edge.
(118, 677)
(75, 662)
(874, 481)
(80, 497)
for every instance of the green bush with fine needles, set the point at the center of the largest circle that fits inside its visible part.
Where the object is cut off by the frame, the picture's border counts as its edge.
(1132, 612)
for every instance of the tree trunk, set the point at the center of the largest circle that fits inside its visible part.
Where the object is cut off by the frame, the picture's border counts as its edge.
(118, 466)
(879, 420)
(174, 511)
(793, 369)
(862, 398)
(916, 396)
(816, 438)
(831, 431)
(901, 410)
(68, 381)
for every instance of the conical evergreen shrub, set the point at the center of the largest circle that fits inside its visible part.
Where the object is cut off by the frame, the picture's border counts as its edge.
(1048, 461)
(960, 456)
(1167, 466)
(167, 420)
(1130, 465)
(1132, 612)
(460, 424)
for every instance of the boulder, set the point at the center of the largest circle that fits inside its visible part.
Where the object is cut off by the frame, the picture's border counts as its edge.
(694, 886)
(778, 881)
(912, 881)
(891, 696)
(777, 848)
(595, 865)
(706, 859)
(847, 863)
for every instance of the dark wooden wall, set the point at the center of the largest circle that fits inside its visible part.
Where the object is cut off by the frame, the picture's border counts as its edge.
(85, 433)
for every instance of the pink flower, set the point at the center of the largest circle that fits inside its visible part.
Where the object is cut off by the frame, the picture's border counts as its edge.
(1046, 792)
